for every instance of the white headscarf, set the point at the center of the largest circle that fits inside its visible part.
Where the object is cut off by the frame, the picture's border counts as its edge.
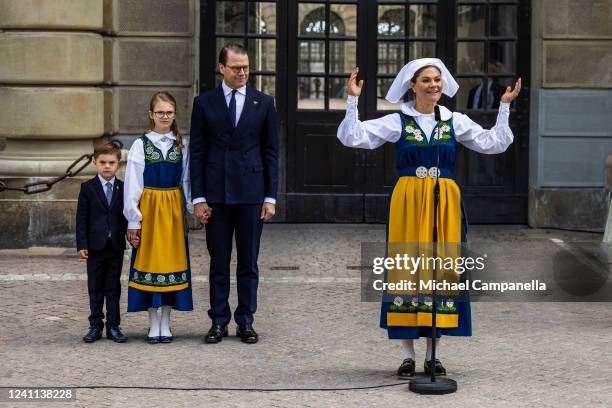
(401, 83)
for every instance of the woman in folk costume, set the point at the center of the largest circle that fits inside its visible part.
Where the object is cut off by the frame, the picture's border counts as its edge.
(425, 150)
(157, 193)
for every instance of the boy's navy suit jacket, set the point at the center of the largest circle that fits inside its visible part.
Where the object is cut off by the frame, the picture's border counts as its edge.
(95, 217)
(233, 165)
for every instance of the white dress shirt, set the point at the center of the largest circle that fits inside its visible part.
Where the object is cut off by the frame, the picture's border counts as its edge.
(371, 134)
(134, 180)
(104, 181)
(240, 97)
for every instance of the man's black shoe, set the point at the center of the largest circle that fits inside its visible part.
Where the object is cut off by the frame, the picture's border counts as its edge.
(247, 334)
(215, 334)
(114, 333)
(440, 370)
(94, 333)
(406, 370)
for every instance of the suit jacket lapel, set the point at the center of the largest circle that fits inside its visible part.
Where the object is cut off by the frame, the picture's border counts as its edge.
(100, 191)
(220, 106)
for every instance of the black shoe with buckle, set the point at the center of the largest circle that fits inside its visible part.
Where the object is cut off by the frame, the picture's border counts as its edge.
(247, 334)
(440, 370)
(152, 340)
(216, 333)
(406, 370)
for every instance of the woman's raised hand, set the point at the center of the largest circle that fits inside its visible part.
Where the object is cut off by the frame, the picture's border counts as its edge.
(354, 86)
(511, 94)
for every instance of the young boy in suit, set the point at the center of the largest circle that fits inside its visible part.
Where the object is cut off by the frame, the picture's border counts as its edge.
(100, 235)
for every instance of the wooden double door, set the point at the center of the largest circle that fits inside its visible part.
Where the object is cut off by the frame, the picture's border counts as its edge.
(316, 43)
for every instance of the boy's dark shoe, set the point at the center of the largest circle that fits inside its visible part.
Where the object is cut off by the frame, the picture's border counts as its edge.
(94, 333)
(114, 333)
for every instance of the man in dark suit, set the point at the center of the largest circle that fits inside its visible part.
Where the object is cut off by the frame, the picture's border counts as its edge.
(494, 90)
(476, 95)
(100, 236)
(234, 178)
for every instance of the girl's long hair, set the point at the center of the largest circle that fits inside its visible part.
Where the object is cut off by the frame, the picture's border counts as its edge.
(166, 97)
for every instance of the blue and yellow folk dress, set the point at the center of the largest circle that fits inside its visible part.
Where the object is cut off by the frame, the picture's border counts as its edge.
(406, 314)
(160, 272)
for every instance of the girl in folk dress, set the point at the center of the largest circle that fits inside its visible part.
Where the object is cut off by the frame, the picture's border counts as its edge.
(157, 194)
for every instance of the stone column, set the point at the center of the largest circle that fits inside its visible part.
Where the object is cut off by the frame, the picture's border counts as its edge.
(72, 73)
(150, 48)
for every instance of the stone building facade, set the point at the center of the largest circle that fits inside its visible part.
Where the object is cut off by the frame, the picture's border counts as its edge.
(73, 73)
(76, 72)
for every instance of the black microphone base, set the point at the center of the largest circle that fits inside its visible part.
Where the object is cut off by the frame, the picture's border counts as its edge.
(440, 387)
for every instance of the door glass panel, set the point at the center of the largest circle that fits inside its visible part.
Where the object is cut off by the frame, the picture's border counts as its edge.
(504, 53)
(311, 19)
(423, 19)
(230, 17)
(503, 21)
(343, 19)
(311, 92)
(467, 89)
(391, 21)
(329, 55)
(342, 56)
(311, 56)
(382, 87)
(262, 54)
(421, 49)
(265, 84)
(261, 18)
(470, 57)
(338, 92)
(471, 21)
(390, 57)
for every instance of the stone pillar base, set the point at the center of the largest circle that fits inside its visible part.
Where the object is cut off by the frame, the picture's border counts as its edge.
(45, 219)
(580, 209)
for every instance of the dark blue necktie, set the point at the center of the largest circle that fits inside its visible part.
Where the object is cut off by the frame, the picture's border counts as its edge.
(232, 108)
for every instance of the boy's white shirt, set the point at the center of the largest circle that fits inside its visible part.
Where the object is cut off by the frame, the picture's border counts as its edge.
(134, 175)
(104, 181)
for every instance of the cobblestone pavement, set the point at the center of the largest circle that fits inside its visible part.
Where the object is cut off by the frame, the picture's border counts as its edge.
(315, 334)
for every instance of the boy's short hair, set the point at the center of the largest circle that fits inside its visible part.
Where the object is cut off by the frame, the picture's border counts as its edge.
(112, 147)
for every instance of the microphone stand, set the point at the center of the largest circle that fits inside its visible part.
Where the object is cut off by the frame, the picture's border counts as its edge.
(433, 385)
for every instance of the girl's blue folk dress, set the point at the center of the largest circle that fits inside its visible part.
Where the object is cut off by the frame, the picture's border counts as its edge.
(160, 272)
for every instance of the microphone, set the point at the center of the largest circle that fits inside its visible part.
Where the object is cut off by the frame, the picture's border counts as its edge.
(437, 113)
